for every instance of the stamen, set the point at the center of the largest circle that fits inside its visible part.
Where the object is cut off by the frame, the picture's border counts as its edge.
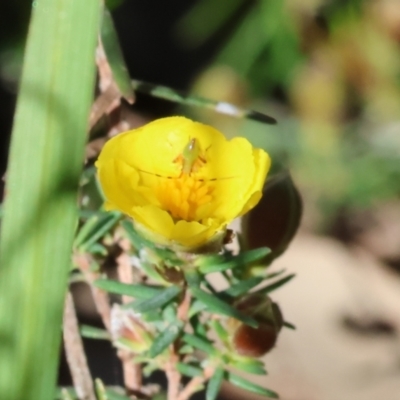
(182, 196)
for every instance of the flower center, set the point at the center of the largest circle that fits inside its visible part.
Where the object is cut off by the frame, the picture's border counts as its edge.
(183, 196)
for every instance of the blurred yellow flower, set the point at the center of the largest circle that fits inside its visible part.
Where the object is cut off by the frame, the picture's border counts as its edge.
(181, 180)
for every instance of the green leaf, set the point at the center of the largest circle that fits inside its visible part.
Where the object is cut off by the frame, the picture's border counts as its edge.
(289, 325)
(186, 349)
(196, 307)
(95, 228)
(97, 249)
(251, 387)
(218, 306)
(242, 259)
(87, 227)
(219, 330)
(243, 287)
(165, 338)
(137, 240)
(157, 301)
(249, 365)
(66, 395)
(214, 384)
(169, 313)
(91, 332)
(40, 209)
(274, 274)
(100, 390)
(189, 370)
(132, 290)
(192, 277)
(273, 286)
(200, 343)
(115, 57)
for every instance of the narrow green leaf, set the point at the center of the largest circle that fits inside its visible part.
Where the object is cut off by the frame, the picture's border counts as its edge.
(186, 349)
(289, 325)
(100, 390)
(91, 332)
(97, 249)
(137, 241)
(157, 301)
(274, 274)
(199, 343)
(219, 330)
(240, 260)
(243, 287)
(276, 285)
(251, 366)
(165, 338)
(189, 370)
(87, 227)
(115, 57)
(102, 227)
(196, 307)
(220, 307)
(40, 209)
(214, 384)
(221, 107)
(66, 395)
(250, 386)
(192, 277)
(133, 290)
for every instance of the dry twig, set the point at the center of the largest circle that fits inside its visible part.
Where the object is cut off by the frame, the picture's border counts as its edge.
(75, 353)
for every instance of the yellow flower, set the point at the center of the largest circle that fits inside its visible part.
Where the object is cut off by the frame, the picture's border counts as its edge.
(181, 180)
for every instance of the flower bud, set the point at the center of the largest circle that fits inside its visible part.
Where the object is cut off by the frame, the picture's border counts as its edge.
(255, 342)
(128, 331)
(275, 219)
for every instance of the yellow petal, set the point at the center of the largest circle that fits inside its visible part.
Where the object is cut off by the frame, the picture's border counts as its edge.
(193, 234)
(154, 219)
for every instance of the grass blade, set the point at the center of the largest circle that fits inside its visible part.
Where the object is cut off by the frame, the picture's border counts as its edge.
(47, 150)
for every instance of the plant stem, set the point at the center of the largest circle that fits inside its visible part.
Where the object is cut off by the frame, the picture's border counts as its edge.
(99, 296)
(194, 384)
(173, 375)
(132, 370)
(75, 352)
